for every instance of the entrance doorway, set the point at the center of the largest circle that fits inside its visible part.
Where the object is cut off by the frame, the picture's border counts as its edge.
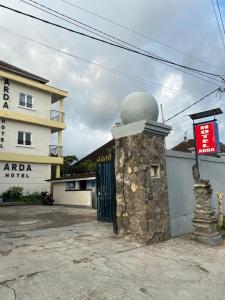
(106, 193)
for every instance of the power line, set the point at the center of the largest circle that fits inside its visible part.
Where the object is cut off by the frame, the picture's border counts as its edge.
(218, 89)
(218, 102)
(218, 23)
(179, 136)
(198, 77)
(104, 67)
(89, 27)
(134, 46)
(189, 106)
(185, 118)
(108, 69)
(59, 14)
(109, 43)
(181, 121)
(125, 75)
(76, 21)
(140, 34)
(220, 14)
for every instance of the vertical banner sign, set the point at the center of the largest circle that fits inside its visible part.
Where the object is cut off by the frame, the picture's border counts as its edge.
(207, 138)
(6, 94)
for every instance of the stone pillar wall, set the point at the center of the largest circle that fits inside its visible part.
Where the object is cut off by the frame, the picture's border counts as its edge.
(204, 221)
(142, 199)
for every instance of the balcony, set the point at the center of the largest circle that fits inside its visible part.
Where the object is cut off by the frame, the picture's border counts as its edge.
(55, 122)
(55, 151)
(57, 116)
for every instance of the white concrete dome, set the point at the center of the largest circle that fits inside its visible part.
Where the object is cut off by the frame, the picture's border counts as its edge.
(139, 106)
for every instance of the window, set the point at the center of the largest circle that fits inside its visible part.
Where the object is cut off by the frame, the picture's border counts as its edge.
(26, 100)
(70, 186)
(83, 184)
(92, 183)
(155, 172)
(24, 138)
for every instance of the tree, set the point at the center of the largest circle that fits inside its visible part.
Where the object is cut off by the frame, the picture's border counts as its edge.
(65, 168)
(84, 166)
(67, 164)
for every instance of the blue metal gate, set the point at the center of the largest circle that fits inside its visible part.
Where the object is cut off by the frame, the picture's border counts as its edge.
(106, 195)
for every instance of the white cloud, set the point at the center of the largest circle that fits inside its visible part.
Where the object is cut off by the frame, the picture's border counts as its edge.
(95, 95)
(82, 140)
(172, 82)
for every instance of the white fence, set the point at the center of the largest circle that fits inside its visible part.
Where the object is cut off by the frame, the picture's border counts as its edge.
(180, 186)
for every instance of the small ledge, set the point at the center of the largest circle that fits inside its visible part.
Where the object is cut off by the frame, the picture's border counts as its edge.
(143, 126)
(25, 146)
(89, 190)
(24, 107)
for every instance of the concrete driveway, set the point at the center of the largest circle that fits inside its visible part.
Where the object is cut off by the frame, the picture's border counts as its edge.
(34, 217)
(84, 260)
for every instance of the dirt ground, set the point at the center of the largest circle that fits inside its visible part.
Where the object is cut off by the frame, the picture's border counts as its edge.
(57, 253)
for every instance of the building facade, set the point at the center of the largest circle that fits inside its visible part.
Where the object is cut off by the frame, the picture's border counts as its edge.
(77, 190)
(27, 121)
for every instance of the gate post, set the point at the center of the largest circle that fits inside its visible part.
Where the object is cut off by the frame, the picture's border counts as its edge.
(204, 221)
(140, 169)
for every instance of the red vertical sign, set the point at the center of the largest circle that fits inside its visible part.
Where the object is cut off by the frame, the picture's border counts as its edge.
(206, 138)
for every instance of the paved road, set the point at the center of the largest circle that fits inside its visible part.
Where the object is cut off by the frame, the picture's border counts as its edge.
(86, 261)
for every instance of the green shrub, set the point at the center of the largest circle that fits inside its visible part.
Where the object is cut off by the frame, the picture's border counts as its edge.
(34, 198)
(15, 194)
(12, 194)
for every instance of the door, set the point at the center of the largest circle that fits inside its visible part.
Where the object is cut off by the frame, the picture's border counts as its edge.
(106, 194)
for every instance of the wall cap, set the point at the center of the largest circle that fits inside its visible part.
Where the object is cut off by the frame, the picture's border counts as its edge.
(143, 126)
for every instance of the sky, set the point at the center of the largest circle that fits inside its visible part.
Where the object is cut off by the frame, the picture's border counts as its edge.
(95, 94)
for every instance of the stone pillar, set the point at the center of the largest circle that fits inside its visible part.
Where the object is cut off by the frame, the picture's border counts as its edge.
(141, 183)
(204, 221)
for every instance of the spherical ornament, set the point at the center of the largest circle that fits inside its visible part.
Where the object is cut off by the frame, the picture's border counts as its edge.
(139, 106)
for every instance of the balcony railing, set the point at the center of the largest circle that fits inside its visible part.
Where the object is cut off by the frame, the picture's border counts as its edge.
(57, 115)
(56, 151)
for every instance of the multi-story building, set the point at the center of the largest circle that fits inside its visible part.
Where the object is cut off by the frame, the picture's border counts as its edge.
(27, 120)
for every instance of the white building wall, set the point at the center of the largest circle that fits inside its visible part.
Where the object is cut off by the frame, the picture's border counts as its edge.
(91, 184)
(34, 180)
(41, 138)
(41, 100)
(79, 198)
(29, 176)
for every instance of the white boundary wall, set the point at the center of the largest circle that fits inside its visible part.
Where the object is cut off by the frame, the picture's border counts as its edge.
(181, 183)
(77, 198)
(180, 188)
